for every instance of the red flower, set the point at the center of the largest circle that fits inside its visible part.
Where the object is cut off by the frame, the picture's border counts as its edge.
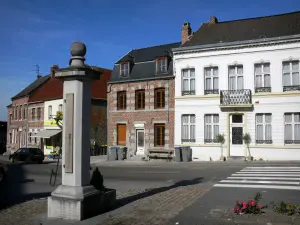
(289, 203)
(260, 206)
(252, 203)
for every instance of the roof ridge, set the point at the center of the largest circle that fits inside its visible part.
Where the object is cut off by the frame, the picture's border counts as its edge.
(260, 17)
(155, 46)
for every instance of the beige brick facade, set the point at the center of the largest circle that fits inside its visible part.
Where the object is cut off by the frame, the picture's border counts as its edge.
(148, 116)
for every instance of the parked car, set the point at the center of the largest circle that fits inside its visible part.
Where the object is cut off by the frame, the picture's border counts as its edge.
(3, 172)
(27, 155)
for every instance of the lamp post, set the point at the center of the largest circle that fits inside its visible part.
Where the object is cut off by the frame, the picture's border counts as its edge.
(75, 198)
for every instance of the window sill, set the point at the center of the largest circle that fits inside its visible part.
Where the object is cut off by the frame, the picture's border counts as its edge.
(140, 109)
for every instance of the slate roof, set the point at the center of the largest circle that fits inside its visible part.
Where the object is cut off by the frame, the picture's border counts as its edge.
(246, 29)
(30, 88)
(143, 63)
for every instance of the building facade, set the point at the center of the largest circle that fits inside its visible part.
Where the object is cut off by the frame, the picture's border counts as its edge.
(141, 100)
(236, 84)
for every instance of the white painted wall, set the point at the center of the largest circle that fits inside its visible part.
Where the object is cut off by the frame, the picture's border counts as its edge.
(277, 102)
(55, 108)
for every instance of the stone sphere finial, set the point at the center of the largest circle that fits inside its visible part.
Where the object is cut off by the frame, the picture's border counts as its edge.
(78, 49)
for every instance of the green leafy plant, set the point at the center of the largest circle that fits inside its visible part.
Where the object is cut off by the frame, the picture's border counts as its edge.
(97, 180)
(286, 208)
(221, 139)
(250, 207)
(247, 140)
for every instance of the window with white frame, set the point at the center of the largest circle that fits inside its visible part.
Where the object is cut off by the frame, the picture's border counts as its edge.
(188, 82)
(291, 77)
(211, 77)
(60, 109)
(263, 128)
(188, 128)
(211, 128)
(236, 79)
(262, 77)
(292, 128)
(124, 69)
(50, 112)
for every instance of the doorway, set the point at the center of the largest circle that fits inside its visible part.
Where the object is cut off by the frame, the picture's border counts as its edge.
(140, 142)
(236, 135)
(121, 134)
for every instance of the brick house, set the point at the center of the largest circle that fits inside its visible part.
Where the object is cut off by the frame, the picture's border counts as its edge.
(32, 120)
(141, 100)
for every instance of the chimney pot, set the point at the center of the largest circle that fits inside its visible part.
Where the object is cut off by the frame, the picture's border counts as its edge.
(53, 69)
(186, 31)
(213, 20)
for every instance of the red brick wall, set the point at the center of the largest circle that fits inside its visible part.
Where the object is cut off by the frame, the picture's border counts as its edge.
(148, 116)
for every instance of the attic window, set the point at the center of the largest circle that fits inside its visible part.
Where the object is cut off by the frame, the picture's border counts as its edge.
(161, 65)
(124, 69)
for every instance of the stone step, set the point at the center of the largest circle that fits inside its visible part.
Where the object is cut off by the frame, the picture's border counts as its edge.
(235, 158)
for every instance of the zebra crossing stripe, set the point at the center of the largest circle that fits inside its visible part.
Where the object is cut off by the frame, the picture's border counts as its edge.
(282, 187)
(266, 178)
(259, 182)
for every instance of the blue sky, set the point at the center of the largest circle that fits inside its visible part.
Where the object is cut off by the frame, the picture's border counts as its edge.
(40, 31)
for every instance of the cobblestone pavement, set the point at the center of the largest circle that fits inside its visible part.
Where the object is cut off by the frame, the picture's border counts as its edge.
(23, 213)
(159, 208)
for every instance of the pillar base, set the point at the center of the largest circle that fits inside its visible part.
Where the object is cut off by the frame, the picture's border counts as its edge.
(75, 202)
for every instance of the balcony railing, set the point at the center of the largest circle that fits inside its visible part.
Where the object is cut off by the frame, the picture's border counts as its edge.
(262, 89)
(264, 141)
(291, 141)
(211, 141)
(291, 88)
(190, 92)
(212, 91)
(236, 97)
(188, 140)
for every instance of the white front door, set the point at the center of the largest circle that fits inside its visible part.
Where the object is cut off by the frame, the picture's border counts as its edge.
(140, 142)
(236, 135)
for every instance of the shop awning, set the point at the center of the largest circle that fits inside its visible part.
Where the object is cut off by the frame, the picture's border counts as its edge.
(46, 133)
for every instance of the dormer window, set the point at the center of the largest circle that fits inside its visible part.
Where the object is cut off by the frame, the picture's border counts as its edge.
(124, 69)
(162, 65)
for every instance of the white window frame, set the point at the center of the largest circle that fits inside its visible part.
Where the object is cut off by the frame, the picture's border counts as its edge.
(211, 124)
(263, 74)
(264, 123)
(190, 124)
(292, 123)
(60, 108)
(236, 76)
(49, 112)
(189, 78)
(212, 89)
(162, 65)
(124, 69)
(290, 72)
(33, 114)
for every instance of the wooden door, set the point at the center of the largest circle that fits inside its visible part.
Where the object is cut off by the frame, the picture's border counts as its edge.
(121, 134)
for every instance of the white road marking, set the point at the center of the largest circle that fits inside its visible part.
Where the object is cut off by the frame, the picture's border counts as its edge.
(266, 178)
(259, 182)
(266, 174)
(268, 170)
(273, 167)
(243, 172)
(279, 187)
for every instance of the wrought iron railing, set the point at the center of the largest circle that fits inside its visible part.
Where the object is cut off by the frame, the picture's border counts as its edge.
(188, 140)
(291, 88)
(264, 141)
(211, 141)
(236, 97)
(191, 92)
(263, 89)
(212, 91)
(291, 141)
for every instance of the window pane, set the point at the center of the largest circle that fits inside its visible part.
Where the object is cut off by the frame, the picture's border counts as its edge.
(207, 83)
(286, 79)
(259, 118)
(297, 117)
(297, 132)
(192, 132)
(231, 70)
(193, 119)
(185, 132)
(257, 68)
(185, 73)
(286, 66)
(192, 73)
(207, 72)
(268, 134)
(185, 119)
(215, 71)
(295, 65)
(288, 117)
(240, 70)
(268, 118)
(207, 133)
(185, 85)
(267, 81)
(258, 81)
(216, 131)
(240, 83)
(232, 85)
(288, 132)
(216, 83)
(207, 119)
(259, 132)
(216, 118)
(192, 84)
(267, 68)
(295, 78)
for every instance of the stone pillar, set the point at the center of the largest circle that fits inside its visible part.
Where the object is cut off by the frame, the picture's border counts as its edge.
(75, 198)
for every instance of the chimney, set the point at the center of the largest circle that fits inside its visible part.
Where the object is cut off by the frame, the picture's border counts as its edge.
(186, 31)
(213, 20)
(53, 69)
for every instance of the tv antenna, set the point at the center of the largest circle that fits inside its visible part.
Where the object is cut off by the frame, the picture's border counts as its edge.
(37, 69)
